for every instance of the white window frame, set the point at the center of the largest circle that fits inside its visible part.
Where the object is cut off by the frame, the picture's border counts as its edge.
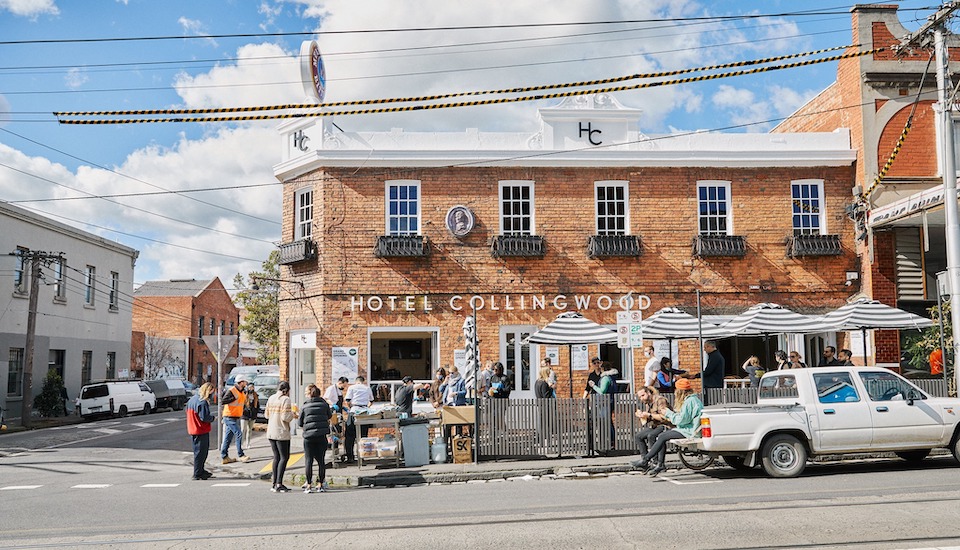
(303, 213)
(821, 228)
(729, 202)
(15, 365)
(114, 291)
(622, 184)
(387, 216)
(60, 280)
(90, 286)
(533, 203)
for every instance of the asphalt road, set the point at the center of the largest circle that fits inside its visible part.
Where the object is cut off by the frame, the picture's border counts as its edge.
(130, 488)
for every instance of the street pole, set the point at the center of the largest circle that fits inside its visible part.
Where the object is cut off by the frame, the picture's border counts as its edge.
(26, 408)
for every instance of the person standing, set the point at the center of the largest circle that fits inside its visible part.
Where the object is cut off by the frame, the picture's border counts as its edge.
(781, 358)
(547, 409)
(485, 375)
(795, 362)
(753, 369)
(829, 357)
(846, 358)
(593, 378)
(358, 397)
(315, 421)
(713, 372)
(404, 397)
(250, 411)
(551, 376)
(455, 389)
(665, 377)
(199, 422)
(652, 367)
(279, 413)
(334, 394)
(233, 400)
(607, 388)
(436, 396)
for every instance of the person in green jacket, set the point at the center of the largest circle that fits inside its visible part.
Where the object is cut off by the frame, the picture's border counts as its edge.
(686, 422)
(607, 387)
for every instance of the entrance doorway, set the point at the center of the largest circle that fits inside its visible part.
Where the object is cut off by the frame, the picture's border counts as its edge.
(303, 365)
(516, 358)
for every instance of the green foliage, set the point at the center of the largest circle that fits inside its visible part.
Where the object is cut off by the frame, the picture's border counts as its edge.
(50, 401)
(921, 345)
(261, 300)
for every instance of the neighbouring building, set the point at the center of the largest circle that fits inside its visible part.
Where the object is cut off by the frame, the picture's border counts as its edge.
(397, 236)
(900, 224)
(191, 315)
(84, 312)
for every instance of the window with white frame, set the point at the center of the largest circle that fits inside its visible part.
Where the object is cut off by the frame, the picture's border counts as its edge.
(90, 285)
(807, 204)
(516, 208)
(15, 372)
(111, 365)
(611, 199)
(114, 290)
(60, 280)
(20, 271)
(714, 215)
(403, 207)
(303, 212)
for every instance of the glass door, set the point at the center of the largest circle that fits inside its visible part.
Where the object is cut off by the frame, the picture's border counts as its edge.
(518, 359)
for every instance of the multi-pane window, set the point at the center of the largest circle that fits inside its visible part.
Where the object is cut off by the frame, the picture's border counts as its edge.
(223, 326)
(612, 213)
(15, 373)
(303, 208)
(807, 199)
(60, 280)
(231, 327)
(516, 208)
(86, 366)
(111, 364)
(20, 271)
(57, 359)
(90, 285)
(200, 328)
(213, 327)
(114, 290)
(403, 207)
(713, 200)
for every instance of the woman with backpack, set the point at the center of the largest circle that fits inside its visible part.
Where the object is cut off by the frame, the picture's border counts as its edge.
(315, 421)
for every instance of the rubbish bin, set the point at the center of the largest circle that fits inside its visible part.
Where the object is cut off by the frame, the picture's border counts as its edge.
(415, 442)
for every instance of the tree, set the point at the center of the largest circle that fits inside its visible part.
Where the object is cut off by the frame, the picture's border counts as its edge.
(260, 297)
(49, 402)
(160, 358)
(921, 345)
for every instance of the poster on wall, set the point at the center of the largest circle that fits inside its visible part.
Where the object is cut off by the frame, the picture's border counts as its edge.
(553, 353)
(345, 362)
(858, 346)
(580, 357)
(460, 359)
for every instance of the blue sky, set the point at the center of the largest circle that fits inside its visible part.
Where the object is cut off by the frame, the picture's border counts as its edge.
(53, 58)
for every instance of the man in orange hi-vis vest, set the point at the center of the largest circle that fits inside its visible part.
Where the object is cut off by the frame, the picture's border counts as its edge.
(233, 400)
(936, 361)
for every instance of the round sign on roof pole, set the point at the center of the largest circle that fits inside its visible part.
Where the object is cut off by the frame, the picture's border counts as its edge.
(312, 72)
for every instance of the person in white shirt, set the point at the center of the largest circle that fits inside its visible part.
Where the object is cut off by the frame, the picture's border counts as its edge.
(653, 367)
(358, 396)
(334, 394)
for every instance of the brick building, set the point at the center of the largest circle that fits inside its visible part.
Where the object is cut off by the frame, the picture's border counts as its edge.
(396, 235)
(192, 312)
(900, 229)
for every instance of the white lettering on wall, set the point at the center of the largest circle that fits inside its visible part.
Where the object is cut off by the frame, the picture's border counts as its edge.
(500, 302)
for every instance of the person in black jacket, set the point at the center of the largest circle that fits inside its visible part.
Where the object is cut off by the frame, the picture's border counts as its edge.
(315, 421)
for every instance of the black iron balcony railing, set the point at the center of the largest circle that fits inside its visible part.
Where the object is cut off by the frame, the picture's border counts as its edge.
(719, 245)
(606, 246)
(297, 251)
(814, 245)
(517, 245)
(401, 246)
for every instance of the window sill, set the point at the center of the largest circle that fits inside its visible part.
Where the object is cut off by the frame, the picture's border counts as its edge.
(21, 295)
(89, 306)
(60, 301)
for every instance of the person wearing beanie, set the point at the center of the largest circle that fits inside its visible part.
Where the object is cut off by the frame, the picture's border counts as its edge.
(686, 421)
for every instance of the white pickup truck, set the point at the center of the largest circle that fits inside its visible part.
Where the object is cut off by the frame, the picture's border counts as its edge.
(828, 410)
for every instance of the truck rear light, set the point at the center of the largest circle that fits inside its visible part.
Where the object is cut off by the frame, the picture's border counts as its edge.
(705, 430)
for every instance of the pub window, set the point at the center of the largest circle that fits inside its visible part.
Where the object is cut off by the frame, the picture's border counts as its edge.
(90, 285)
(611, 204)
(715, 216)
(114, 290)
(60, 281)
(303, 210)
(403, 207)
(807, 199)
(516, 208)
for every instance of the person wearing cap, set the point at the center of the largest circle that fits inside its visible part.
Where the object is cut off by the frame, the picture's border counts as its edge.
(334, 394)
(686, 422)
(404, 397)
(233, 400)
(593, 379)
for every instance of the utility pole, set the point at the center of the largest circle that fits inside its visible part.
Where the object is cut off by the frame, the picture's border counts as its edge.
(921, 38)
(35, 259)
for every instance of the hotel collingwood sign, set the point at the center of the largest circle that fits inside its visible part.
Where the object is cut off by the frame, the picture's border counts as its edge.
(498, 302)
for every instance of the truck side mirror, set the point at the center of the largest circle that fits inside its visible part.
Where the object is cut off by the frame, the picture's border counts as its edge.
(911, 396)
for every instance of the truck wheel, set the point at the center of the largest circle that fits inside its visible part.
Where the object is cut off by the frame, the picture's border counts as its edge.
(146, 409)
(122, 412)
(913, 456)
(783, 456)
(737, 463)
(177, 404)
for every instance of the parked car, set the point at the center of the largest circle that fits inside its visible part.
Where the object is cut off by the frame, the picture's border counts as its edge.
(170, 394)
(828, 410)
(266, 385)
(116, 398)
(252, 371)
(190, 388)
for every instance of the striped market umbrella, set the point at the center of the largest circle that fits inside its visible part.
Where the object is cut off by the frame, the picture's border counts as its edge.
(671, 323)
(767, 319)
(572, 328)
(865, 314)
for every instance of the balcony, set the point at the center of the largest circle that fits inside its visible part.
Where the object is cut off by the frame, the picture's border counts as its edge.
(705, 246)
(608, 246)
(297, 251)
(517, 246)
(814, 245)
(401, 246)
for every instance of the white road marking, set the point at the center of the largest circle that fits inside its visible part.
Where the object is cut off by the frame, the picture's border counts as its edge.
(681, 482)
(19, 487)
(159, 485)
(143, 424)
(107, 431)
(172, 419)
(91, 486)
(230, 485)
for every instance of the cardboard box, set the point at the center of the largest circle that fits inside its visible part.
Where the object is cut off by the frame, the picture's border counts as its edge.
(462, 450)
(458, 415)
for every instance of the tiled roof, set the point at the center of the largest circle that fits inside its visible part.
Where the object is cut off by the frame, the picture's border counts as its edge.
(174, 287)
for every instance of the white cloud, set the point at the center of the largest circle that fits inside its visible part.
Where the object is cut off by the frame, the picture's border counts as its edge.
(193, 27)
(30, 8)
(75, 78)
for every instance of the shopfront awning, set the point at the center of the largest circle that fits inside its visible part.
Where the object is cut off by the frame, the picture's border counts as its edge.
(909, 211)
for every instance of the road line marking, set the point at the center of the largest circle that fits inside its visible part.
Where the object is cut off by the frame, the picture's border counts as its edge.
(143, 424)
(294, 458)
(91, 486)
(679, 482)
(172, 419)
(230, 485)
(108, 431)
(159, 485)
(19, 487)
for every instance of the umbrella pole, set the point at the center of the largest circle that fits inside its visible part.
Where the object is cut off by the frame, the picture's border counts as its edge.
(864, 330)
(570, 366)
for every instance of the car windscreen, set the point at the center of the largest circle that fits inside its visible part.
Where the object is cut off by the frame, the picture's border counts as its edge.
(91, 392)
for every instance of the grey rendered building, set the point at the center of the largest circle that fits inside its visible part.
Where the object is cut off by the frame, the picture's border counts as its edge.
(84, 313)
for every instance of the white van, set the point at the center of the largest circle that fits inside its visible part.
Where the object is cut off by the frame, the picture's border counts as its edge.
(116, 398)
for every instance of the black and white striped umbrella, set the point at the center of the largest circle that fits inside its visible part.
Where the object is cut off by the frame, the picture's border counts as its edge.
(765, 319)
(671, 323)
(572, 328)
(866, 314)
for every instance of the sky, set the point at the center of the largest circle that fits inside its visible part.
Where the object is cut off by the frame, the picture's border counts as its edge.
(199, 200)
